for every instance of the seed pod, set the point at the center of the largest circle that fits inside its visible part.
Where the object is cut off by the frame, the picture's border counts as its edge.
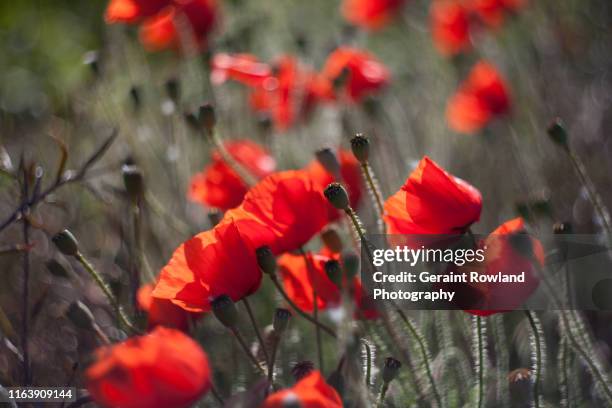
(281, 320)
(360, 145)
(329, 161)
(557, 133)
(225, 311)
(337, 196)
(334, 272)
(133, 181)
(207, 117)
(390, 369)
(331, 239)
(302, 369)
(350, 263)
(173, 89)
(66, 243)
(266, 260)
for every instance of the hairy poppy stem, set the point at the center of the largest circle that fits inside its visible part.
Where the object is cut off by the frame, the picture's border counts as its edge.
(315, 311)
(480, 360)
(244, 174)
(26, 287)
(537, 366)
(368, 373)
(123, 318)
(215, 392)
(383, 392)
(246, 349)
(262, 343)
(374, 190)
(299, 311)
(275, 342)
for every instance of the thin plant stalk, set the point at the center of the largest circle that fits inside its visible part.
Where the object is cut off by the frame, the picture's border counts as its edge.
(374, 190)
(299, 311)
(246, 350)
(217, 396)
(383, 392)
(26, 289)
(262, 343)
(537, 363)
(273, 350)
(315, 311)
(368, 371)
(123, 318)
(244, 174)
(480, 350)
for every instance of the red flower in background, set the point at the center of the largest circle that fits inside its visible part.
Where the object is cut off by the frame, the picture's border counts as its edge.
(291, 205)
(480, 98)
(350, 171)
(161, 312)
(371, 14)
(493, 12)
(185, 24)
(132, 11)
(290, 93)
(243, 68)
(164, 368)
(432, 201)
(219, 186)
(365, 73)
(450, 26)
(506, 252)
(310, 392)
(217, 262)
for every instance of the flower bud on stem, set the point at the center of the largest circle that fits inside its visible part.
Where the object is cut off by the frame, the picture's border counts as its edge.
(279, 323)
(389, 372)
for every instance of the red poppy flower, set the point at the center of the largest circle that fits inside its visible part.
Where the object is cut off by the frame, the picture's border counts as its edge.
(432, 201)
(217, 262)
(480, 98)
(290, 93)
(510, 258)
(185, 25)
(350, 171)
(243, 68)
(164, 368)
(161, 312)
(493, 12)
(131, 11)
(450, 26)
(301, 278)
(291, 205)
(366, 74)
(371, 14)
(219, 186)
(310, 392)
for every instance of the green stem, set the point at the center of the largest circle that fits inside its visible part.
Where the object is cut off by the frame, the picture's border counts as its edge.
(383, 393)
(123, 318)
(262, 343)
(480, 358)
(243, 173)
(315, 307)
(368, 374)
(275, 342)
(246, 349)
(537, 366)
(375, 193)
(299, 311)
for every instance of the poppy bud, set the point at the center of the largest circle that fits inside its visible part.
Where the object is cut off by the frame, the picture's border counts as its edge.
(134, 182)
(390, 369)
(225, 310)
(80, 315)
(66, 243)
(207, 116)
(302, 369)
(329, 161)
(214, 216)
(341, 79)
(56, 268)
(266, 260)
(281, 320)
(173, 89)
(557, 133)
(563, 228)
(136, 97)
(350, 263)
(334, 272)
(192, 121)
(337, 196)
(92, 59)
(360, 145)
(331, 239)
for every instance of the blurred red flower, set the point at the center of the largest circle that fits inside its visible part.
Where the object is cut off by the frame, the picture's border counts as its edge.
(217, 262)
(289, 93)
(350, 171)
(219, 186)
(450, 26)
(364, 73)
(506, 252)
(432, 201)
(493, 12)
(291, 205)
(132, 11)
(185, 25)
(161, 312)
(243, 68)
(371, 14)
(481, 97)
(310, 392)
(164, 368)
